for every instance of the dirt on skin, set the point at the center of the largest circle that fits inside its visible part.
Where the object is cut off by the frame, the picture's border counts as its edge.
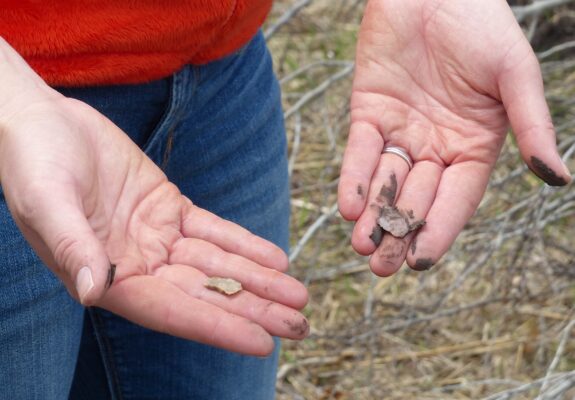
(299, 328)
(111, 275)
(387, 193)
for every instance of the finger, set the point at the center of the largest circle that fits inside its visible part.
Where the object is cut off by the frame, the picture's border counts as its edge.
(386, 183)
(360, 160)
(275, 318)
(460, 191)
(523, 96)
(414, 200)
(161, 306)
(58, 230)
(265, 282)
(201, 224)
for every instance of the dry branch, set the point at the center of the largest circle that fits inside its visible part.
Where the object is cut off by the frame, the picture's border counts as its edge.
(285, 18)
(537, 7)
(319, 90)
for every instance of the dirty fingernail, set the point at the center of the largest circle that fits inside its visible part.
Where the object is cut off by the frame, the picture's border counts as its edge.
(543, 171)
(299, 328)
(84, 283)
(423, 264)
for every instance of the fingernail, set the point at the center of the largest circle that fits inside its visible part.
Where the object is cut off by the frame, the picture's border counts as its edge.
(84, 283)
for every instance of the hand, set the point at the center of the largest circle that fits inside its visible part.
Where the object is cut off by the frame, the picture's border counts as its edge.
(442, 79)
(86, 197)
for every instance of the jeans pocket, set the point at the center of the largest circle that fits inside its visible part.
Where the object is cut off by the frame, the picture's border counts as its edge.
(159, 141)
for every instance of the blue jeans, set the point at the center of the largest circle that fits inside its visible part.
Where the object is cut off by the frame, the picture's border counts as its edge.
(217, 131)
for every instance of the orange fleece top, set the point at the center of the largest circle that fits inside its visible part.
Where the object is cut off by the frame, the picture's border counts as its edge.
(96, 42)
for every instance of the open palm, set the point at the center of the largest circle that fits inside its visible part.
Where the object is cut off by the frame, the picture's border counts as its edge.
(441, 79)
(87, 198)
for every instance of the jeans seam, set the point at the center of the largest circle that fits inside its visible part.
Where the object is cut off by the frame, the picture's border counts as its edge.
(107, 355)
(180, 94)
(165, 120)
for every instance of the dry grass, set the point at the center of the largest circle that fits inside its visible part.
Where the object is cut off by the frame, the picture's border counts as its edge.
(489, 319)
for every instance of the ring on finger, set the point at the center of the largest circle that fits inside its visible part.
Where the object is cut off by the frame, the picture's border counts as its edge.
(401, 152)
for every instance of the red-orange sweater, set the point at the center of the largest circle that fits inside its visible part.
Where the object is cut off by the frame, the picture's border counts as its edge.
(95, 42)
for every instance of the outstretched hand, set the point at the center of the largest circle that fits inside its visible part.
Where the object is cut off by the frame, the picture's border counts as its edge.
(120, 236)
(443, 80)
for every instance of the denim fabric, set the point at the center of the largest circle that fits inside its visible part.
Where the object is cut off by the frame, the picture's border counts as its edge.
(217, 131)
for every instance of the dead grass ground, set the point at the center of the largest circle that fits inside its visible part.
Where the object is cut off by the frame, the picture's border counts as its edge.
(488, 321)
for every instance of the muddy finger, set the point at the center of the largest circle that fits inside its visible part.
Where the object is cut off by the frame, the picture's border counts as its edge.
(403, 221)
(385, 186)
(458, 195)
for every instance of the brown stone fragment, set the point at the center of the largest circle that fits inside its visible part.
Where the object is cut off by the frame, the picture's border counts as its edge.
(397, 222)
(225, 286)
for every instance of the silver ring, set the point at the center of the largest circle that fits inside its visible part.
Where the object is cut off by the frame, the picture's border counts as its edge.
(399, 151)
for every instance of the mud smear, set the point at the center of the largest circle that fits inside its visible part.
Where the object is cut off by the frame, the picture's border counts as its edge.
(549, 176)
(111, 275)
(387, 193)
(299, 328)
(423, 264)
(360, 192)
(376, 235)
(393, 251)
(413, 246)
(398, 222)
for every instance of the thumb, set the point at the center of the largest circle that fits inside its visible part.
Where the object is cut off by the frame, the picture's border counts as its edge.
(522, 93)
(63, 238)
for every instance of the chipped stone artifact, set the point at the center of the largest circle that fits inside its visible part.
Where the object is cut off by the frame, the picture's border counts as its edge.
(227, 286)
(397, 222)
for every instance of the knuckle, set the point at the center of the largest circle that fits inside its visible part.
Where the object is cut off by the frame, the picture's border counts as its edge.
(65, 250)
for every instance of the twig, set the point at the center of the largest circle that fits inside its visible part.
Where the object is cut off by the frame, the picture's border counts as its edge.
(484, 382)
(533, 28)
(296, 143)
(306, 98)
(286, 16)
(478, 263)
(368, 306)
(537, 7)
(313, 65)
(321, 360)
(333, 272)
(559, 388)
(508, 394)
(306, 205)
(387, 327)
(558, 355)
(311, 231)
(556, 49)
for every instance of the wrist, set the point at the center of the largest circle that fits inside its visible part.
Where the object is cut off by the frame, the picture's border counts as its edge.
(19, 84)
